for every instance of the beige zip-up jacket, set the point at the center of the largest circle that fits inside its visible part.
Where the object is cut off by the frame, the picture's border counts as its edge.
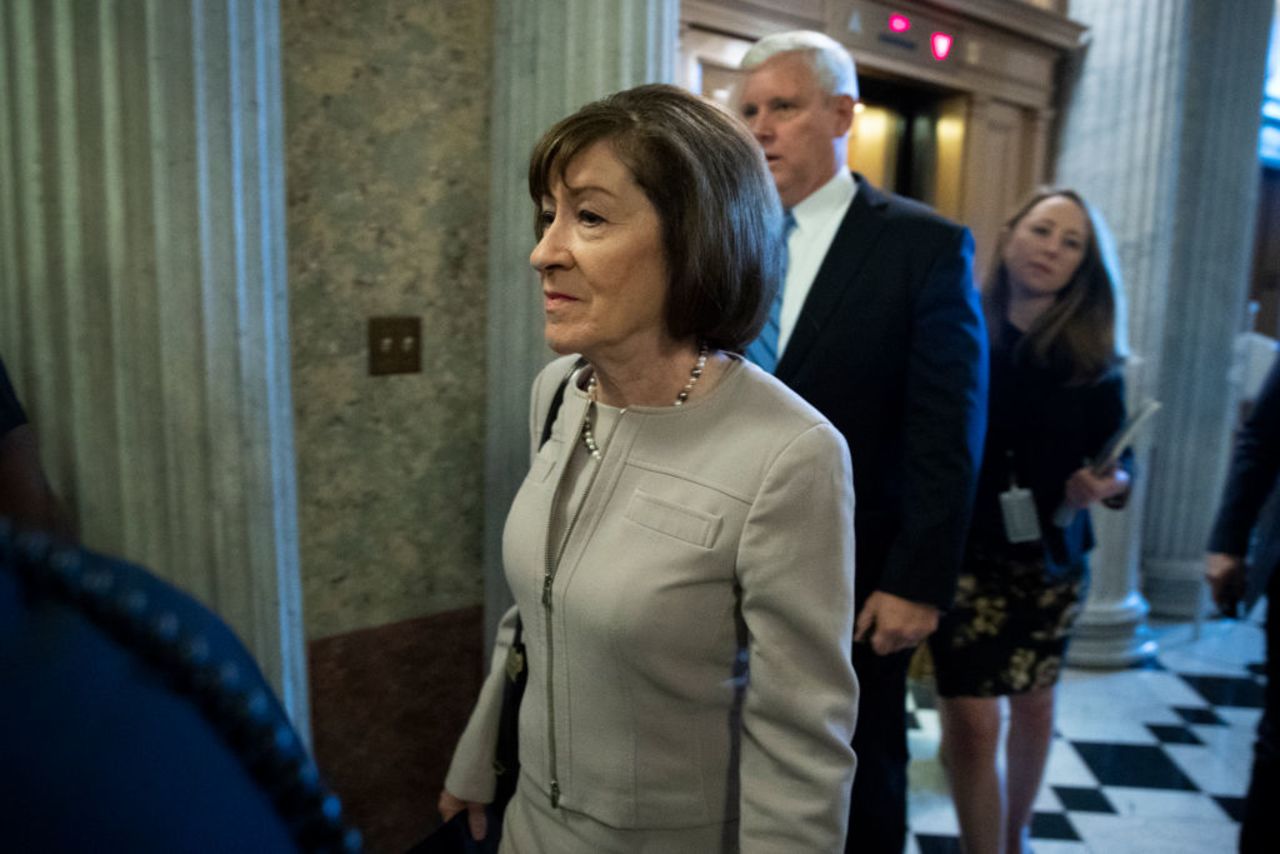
(690, 663)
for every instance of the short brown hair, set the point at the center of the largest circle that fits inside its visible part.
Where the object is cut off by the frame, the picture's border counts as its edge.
(707, 179)
(1075, 338)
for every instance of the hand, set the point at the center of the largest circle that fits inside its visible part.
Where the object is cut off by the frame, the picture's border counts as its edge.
(1225, 574)
(1084, 487)
(894, 623)
(450, 805)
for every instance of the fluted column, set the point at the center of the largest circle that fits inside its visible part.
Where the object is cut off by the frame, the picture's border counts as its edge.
(551, 58)
(1213, 242)
(1160, 133)
(1121, 115)
(142, 292)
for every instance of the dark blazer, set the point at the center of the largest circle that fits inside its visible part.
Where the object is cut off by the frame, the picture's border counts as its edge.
(1039, 431)
(1252, 478)
(890, 346)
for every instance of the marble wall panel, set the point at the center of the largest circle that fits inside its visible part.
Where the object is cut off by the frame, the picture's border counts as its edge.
(387, 716)
(386, 116)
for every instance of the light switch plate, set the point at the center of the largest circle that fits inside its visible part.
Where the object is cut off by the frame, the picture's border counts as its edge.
(395, 345)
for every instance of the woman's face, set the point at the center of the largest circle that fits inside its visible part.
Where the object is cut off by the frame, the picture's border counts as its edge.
(601, 261)
(1046, 247)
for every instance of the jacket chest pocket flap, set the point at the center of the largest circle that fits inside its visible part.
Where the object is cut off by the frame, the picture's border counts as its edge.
(692, 526)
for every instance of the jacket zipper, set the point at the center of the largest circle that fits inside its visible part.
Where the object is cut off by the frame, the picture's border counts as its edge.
(547, 578)
(552, 562)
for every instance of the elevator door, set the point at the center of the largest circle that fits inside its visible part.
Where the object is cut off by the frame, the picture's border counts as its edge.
(910, 140)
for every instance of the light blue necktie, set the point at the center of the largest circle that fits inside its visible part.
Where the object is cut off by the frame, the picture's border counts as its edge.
(764, 350)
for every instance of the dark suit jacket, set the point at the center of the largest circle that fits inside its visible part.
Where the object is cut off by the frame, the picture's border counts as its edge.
(890, 346)
(1254, 468)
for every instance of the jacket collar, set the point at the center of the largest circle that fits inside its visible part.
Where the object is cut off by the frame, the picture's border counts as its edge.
(840, 271)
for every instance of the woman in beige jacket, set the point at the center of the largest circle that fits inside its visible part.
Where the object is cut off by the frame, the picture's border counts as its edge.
(681, 552)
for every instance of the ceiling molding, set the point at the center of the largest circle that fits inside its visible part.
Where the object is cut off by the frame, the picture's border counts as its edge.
(1014, 16)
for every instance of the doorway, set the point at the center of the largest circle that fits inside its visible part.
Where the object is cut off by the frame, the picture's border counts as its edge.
(908, 138)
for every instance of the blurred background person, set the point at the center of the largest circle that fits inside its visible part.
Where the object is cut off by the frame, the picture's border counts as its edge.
(1056, 397)
(681, 551)
(133, 719)
(1244, 513)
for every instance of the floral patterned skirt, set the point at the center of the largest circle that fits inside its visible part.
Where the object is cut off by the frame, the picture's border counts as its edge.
(1008, 630)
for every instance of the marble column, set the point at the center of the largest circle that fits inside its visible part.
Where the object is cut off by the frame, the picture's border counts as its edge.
(550, 58)
(1212, 251)
(1160, 134)
(142, 293)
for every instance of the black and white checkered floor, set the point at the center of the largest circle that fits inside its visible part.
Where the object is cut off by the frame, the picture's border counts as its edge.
(1151, 759)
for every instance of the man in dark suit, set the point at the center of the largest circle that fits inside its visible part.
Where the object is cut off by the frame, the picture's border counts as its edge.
(1255, 466)
(879, 328)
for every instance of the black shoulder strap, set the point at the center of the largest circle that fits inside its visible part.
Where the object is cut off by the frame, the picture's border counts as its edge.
(552, 411)
(556, 400)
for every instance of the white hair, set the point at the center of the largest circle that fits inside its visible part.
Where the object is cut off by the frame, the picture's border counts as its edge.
(830, 62)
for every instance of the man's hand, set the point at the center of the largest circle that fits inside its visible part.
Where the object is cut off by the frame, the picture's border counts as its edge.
(450, 805)
(894, 623)
(1225, 574)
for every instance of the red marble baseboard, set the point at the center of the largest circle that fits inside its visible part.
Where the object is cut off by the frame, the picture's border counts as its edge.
(387, 706)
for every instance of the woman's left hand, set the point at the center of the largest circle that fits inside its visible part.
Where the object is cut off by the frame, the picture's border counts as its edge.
(450, 805)
(1084, 487)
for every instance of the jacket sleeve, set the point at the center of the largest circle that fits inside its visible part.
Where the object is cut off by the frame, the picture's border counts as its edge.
(795, 568)
(945, 424)
(471, 775)
(1254, 465)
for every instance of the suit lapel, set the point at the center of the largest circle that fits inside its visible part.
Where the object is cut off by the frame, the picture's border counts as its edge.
(839, 272)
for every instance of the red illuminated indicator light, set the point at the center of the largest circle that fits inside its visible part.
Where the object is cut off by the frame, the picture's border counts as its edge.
(941, 45)
(899, 23)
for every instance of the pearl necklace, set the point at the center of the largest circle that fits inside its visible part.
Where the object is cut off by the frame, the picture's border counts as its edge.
(589, 438)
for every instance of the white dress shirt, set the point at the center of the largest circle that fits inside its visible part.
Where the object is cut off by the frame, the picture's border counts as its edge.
(818, 218)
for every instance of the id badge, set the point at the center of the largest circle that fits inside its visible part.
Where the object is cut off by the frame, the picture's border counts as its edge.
(1021, 523)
